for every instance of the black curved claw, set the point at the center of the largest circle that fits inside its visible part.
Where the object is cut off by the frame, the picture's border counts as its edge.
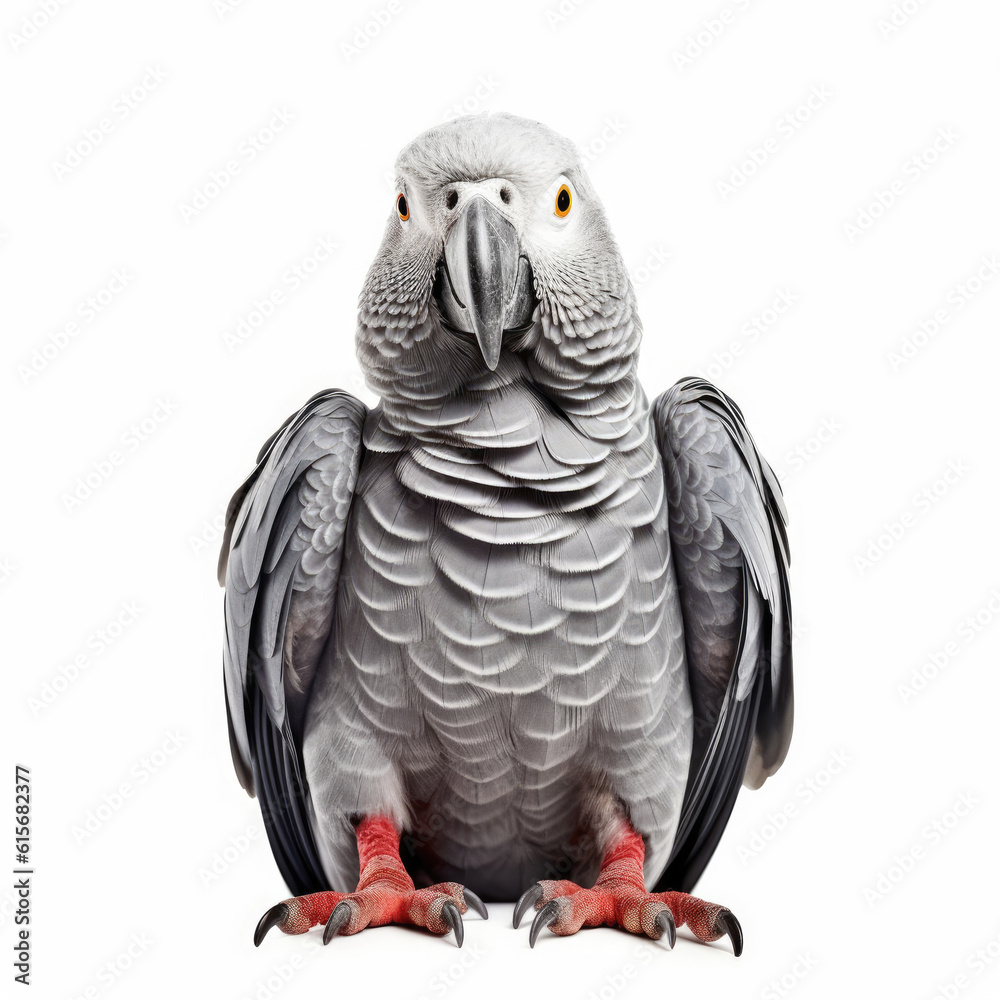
(728, 920)
(341, 914)
(668, 930)
(274, 916)
(475, 903)
(451, 916)
(545, 917)
(529, 897)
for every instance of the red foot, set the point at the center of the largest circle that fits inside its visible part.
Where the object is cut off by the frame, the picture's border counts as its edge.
(385, 895)
(619, 899)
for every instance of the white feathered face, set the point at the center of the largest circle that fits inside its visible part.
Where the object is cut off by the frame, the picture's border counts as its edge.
(496, 246)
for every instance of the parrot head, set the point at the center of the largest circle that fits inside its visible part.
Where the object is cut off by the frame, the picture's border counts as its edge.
(497, 255)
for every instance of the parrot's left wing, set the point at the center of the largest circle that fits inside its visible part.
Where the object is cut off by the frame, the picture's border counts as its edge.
(280, 565)
(730, 556)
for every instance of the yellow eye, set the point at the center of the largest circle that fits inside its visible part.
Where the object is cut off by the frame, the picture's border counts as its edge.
(564, 201)
(402, 207)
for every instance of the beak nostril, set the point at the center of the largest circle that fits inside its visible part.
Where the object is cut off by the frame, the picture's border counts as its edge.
(505, 194)
(452, 200)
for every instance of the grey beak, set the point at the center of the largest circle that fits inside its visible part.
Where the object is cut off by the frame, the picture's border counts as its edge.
(486, 291)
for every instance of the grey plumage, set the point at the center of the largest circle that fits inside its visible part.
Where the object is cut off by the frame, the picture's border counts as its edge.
(505, 606)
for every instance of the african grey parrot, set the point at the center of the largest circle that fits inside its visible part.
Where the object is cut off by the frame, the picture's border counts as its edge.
(514, 625)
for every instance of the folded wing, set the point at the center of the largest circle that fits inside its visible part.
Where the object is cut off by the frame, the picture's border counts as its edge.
(280, 565)
(730, 555)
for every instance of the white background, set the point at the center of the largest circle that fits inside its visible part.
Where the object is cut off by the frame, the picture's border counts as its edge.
(874, 763)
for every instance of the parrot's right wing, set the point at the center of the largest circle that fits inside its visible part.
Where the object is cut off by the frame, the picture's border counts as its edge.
(280, 564)
(730, 555)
